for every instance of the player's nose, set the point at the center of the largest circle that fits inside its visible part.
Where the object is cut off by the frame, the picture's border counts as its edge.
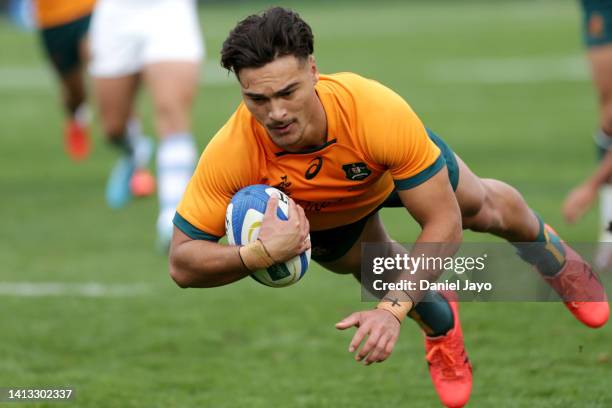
(277, 112)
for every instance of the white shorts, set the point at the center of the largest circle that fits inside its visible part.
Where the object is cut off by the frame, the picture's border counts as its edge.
(126, 35)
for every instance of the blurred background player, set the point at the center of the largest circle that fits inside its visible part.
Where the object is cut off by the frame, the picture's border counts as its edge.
(63, 26)
(158, 42)
(597, 27)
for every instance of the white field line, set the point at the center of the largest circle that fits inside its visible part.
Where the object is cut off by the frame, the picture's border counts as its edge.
(568, 68)
(42, 77)
(515, 70)
(91, 289)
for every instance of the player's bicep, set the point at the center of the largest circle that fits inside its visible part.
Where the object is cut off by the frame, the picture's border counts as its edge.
(179, 237)
(191, 231)
(432, 201)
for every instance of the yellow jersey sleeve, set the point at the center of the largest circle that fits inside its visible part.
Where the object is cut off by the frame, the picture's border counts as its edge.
(393, 135)
(226, 165)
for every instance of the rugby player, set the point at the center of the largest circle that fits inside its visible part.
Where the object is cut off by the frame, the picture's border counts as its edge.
(342, 146)
(63, 26)
(597, 34)
(158, 42)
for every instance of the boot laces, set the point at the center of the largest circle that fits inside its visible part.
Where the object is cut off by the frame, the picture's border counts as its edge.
(441, 356)
(574, 285)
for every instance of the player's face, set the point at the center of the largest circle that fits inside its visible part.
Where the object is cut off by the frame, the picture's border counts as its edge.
(281, 96)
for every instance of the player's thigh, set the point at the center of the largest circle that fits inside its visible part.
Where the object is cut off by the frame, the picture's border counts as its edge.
(350, 262)
(115, 99)
(84, 50)
(172, 52)
(470, 192)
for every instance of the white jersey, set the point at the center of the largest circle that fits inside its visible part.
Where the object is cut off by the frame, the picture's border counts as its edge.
(126, 35)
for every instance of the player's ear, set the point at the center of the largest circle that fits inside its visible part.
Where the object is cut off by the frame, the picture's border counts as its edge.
(312, 65)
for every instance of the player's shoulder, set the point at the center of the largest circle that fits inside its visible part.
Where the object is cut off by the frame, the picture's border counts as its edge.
(358, 89)
(346, 82)
(235, 143)
(350, 81)
(235, 150)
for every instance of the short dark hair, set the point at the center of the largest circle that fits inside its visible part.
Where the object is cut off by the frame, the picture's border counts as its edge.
(260, 39)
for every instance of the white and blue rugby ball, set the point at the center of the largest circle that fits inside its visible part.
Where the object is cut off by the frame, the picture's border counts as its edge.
(242, 222)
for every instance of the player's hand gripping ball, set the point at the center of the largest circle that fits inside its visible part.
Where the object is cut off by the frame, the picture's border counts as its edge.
(242, 222)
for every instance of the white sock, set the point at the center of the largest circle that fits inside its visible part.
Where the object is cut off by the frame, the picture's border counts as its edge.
(605, 211)
(82, 115)
(176, 159)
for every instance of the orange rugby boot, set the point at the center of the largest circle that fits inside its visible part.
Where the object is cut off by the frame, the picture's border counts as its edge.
(142, 183)
(580, 289)
(76, 140)
(449, 366)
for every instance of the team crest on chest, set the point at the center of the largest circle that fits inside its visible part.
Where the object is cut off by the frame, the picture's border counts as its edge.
(356, 171)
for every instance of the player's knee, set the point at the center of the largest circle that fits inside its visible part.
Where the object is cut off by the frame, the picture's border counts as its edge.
(473, 204)
(472, 208)
(479, 222)
(171, 117)
(483, 213)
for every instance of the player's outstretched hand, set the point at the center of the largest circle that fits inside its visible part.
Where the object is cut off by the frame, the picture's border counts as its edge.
(382, 330)
(284, 239)
(578, 202)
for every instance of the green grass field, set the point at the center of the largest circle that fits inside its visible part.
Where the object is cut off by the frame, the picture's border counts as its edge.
(505, 83)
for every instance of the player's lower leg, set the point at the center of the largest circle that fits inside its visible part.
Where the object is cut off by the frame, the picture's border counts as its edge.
(76, 134)
(449, 367)
(130, 175)
(76, 129)
(176, 158)
(504, 213)
(603, 143)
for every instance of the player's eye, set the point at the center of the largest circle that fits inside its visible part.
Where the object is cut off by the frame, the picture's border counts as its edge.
(286, 94)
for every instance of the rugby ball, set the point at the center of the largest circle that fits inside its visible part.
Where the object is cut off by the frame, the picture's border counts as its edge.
(242, 222)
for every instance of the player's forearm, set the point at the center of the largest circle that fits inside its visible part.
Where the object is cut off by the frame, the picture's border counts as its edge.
(444, 230)
(438, 240)
(603, 172)
(204, 264)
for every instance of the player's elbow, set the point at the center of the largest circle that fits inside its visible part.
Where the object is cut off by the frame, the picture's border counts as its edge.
(447, 230)
(179, 274)
(179, 277)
